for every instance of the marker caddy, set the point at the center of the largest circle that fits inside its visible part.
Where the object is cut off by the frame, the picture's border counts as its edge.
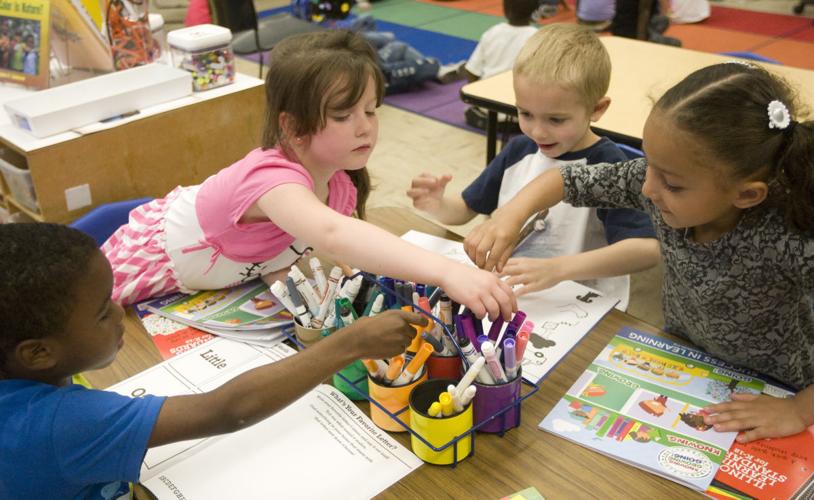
(311, 305)
(460, 440)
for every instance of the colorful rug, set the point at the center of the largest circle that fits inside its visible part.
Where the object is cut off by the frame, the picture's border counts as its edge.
(449, 30)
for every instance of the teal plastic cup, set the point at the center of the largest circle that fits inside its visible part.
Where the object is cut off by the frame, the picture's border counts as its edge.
(353, 372)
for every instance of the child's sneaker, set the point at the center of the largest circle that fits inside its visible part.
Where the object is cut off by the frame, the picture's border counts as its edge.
(544, 11)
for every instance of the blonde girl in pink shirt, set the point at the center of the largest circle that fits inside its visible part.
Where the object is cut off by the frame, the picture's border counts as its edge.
(297, 192)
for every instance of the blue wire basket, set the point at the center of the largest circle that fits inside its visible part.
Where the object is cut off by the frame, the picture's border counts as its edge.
(500, 413)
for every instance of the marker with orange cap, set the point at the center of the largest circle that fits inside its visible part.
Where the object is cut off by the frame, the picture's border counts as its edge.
(376, 367)
(414, 367)
(393, 371)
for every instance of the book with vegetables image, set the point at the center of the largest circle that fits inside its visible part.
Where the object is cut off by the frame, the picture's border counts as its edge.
(640, 401)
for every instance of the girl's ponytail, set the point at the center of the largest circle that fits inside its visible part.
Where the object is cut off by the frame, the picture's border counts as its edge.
(361, 179)
(795, 174)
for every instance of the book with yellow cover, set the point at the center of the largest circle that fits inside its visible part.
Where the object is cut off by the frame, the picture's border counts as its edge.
(94, 9)
(24, 31)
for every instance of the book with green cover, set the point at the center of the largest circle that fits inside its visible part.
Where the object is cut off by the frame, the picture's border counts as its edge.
(641, 402)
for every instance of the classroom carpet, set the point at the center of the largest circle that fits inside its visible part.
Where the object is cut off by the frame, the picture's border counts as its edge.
(449, 30)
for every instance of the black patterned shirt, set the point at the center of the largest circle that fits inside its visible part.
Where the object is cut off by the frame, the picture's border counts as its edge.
(745, 298)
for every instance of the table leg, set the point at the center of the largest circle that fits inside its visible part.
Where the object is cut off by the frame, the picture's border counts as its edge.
(491, 136)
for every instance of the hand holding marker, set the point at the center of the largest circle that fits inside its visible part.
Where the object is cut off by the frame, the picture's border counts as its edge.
(336, 309)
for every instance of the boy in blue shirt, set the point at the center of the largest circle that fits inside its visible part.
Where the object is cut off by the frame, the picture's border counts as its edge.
(561, 77)
(62, 440)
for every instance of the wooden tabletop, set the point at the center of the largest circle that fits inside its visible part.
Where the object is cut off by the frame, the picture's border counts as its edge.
(523, 457)
(642, 72)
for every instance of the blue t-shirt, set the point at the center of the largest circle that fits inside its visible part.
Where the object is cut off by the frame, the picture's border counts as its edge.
(483, 194)
(71, 442)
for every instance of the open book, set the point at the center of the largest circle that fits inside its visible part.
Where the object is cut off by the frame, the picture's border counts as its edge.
(562, 315)
(321, 446)
(640, 402)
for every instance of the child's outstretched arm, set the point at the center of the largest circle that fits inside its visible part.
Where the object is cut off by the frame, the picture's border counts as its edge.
(490, 244)
(427, 193)
(297, 211)
(623, 257)
(763, 416)
(258, 393)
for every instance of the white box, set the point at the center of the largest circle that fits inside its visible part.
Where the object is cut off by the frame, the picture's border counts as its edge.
(100, 98)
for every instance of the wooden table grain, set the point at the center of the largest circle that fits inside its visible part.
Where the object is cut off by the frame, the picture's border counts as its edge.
(523, 457)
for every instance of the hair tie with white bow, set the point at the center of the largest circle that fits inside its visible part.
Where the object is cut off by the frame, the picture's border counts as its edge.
(779, 116)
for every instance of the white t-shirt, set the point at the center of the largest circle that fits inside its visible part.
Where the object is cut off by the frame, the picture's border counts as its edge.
(498, 49)
(689, 11)
(567, 230)
(198, 267)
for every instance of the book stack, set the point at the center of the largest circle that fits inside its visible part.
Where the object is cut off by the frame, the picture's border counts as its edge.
(247, 313)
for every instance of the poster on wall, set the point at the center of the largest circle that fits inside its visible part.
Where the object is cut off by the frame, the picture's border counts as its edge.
(24, 42)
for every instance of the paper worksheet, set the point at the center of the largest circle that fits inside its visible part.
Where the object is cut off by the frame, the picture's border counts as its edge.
(562, 314)
(322, 445)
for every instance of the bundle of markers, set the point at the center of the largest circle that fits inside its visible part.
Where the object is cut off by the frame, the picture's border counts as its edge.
(315, 306)
(405, 368)
(500, 351)
(494, 358)
(489, 365)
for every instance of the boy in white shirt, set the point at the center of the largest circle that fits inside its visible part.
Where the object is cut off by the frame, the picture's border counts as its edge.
(560, 80)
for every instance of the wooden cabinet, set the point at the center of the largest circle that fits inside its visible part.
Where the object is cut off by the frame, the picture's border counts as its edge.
(179, 143)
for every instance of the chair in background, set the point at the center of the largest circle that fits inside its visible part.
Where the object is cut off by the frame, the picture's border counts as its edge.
(631, 152)
(798, 9)
(252, 36)
(752, 56)
(104, 220)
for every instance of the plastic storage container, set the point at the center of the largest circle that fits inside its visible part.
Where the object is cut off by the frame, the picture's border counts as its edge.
(19, 183)
(206, 52)
(159, 52)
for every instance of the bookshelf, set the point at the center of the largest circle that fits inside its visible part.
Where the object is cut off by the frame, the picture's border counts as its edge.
(177, 143)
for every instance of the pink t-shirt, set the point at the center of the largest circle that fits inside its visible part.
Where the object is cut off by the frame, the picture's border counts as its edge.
(198, 13)
(224, 198)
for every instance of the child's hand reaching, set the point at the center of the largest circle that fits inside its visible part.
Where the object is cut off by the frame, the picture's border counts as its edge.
(532, 274)
(482, 292)
(760, 416)
(490, 244)
(382, 336)
(427, 192)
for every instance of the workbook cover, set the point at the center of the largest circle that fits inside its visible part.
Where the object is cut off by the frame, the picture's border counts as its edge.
(768, 469)
(641, 401)
(170, 337)
(24, 31)
(250, 306)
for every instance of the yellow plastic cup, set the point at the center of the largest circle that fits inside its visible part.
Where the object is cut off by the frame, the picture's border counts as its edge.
(393, 399)
(438, 431)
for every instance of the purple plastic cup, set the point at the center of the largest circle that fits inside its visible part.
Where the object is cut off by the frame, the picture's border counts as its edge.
(491, 399)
